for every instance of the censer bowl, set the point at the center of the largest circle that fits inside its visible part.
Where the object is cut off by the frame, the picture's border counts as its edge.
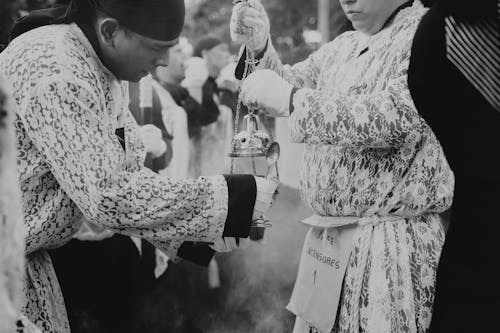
(257, 233)
(250, 144)
(258, 228)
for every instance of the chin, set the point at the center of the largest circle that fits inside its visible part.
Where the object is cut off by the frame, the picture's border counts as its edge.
(137, 77)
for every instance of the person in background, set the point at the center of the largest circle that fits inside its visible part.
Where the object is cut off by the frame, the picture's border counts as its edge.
(454, 79)
(9, 13)
(210, 56)
(80, 154)
(373, 172)
(171, 77)
(12, 231)
(216, 55)
(209, 151)
(228, 85)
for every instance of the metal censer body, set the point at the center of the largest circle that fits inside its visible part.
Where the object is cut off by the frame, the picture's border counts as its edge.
(254, 141)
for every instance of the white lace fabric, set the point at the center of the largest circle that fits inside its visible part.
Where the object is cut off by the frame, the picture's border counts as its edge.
(368, 152)
(72, 164)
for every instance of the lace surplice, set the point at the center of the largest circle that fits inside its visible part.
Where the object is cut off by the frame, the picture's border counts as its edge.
(71, 164)
(368, 152)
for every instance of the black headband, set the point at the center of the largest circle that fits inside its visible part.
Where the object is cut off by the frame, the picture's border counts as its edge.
(157, 19)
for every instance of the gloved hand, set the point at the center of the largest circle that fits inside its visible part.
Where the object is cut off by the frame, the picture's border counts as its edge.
(266, 190)
(153, 141)
(228, 244)
(267, 91)
(250, 24)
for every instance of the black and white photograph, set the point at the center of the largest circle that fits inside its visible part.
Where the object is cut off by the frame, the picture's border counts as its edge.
(249, 166)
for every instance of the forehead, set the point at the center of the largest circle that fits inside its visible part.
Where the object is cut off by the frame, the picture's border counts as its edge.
(176, 48)
(155, 43)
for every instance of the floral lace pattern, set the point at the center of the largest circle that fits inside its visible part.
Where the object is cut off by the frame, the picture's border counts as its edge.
(370, 153)
(72, 164)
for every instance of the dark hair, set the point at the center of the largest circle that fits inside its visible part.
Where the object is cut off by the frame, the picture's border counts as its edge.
(162, 20)
(428, 3)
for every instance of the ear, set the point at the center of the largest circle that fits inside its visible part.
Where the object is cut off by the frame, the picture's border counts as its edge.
(108, 29)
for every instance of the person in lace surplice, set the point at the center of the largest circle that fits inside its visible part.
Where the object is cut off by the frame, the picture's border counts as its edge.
(368, 154)
(79, 150)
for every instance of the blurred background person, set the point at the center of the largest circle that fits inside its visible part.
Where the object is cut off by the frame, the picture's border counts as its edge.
(209, 150)
(9, 13)
(12, 231)
(170, 78)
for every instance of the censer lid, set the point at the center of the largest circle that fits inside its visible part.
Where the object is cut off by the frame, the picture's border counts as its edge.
(251, 142)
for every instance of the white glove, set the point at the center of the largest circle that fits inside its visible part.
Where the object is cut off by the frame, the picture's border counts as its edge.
(228, 244)
(250, 25)
(266, 190)
(267, 91)
(153, 141)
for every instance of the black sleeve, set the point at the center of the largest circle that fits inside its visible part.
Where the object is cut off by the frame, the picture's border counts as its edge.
(229, 99)
(193, 110)
(210, 112)
(242, 194)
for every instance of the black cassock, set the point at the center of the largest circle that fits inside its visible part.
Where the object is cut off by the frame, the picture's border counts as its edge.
(468, 127)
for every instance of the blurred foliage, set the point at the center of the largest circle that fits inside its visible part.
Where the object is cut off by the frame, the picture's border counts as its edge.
(289, 19)
(11, 10)
(37, 4)
(8, 14)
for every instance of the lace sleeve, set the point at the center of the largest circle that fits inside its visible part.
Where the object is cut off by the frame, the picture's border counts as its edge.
(386, 118)
(70, 131)
(303, 74)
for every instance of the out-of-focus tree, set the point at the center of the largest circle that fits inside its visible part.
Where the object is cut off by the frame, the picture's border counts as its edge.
(38, 4)
(8, 14)
(11, 10)
(289, 20)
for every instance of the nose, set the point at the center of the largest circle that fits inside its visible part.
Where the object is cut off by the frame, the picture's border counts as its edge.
(163, 59)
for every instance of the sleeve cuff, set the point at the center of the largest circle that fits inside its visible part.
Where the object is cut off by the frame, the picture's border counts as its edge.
(242, 192)
(292, 95)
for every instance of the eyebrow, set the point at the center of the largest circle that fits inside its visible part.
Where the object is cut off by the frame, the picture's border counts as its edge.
(167, 44)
